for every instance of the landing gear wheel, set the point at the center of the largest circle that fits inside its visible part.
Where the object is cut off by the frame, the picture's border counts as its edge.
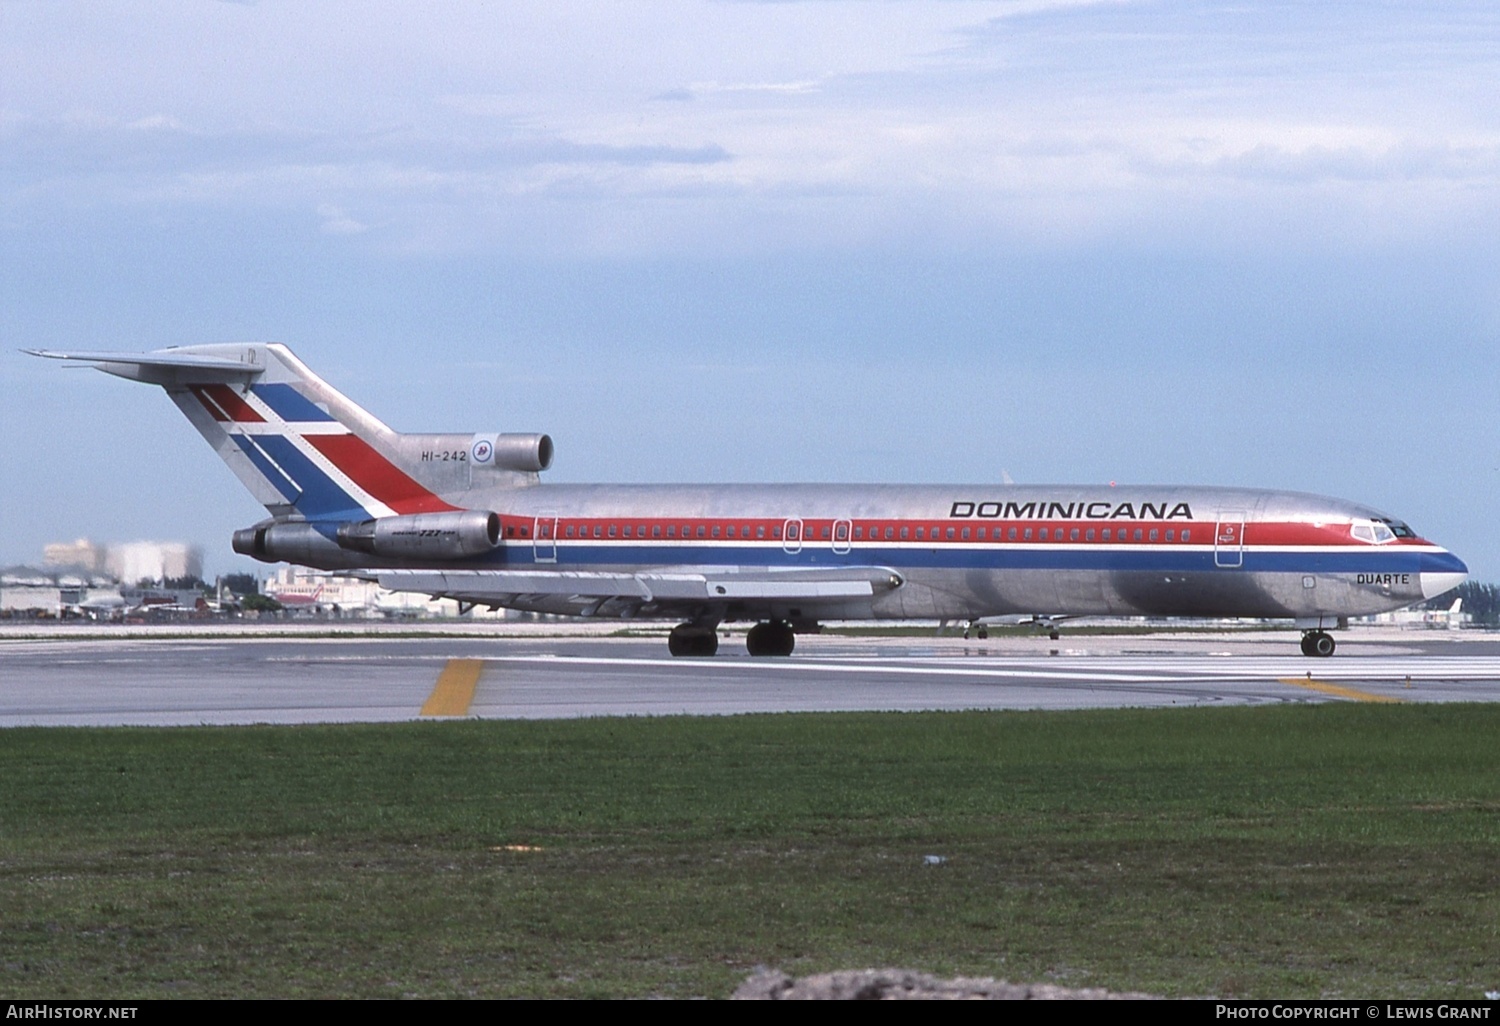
(770, 639)
(1054, 635)
(689, 640)
(1318, 644)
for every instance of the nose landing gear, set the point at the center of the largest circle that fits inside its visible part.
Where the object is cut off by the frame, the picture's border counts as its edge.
(1319, 644)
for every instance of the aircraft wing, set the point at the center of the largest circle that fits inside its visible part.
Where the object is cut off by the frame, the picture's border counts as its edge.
(695, 585)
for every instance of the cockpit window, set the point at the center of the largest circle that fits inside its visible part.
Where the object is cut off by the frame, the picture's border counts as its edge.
(1397, 528)
(1378, 532)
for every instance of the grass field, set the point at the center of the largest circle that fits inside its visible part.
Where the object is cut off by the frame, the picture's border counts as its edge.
(1311, 850)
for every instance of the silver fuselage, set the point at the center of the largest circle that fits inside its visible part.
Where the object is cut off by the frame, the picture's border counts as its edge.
(968, 551)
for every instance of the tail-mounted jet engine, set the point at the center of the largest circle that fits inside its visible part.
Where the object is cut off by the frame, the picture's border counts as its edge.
(516, 451)
(456, 535)
(425, 535)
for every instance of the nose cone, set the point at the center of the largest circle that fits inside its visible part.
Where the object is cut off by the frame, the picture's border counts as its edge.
(1441, 571)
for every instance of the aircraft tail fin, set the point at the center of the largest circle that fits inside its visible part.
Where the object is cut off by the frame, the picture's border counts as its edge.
(305, 450)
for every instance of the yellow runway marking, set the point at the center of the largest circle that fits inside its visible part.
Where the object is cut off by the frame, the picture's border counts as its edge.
(1334, 689)
(454, 689)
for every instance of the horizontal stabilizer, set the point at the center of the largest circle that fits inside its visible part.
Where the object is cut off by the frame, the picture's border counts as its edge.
(159, 365)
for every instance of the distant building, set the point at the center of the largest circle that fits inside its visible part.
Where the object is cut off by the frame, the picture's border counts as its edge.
(315, 591)
(1432, 619)
(153, 561)
(128, 562)
(50, 591)
(83, 554)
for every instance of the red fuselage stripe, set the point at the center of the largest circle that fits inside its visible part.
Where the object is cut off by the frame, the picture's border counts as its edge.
(934, 532)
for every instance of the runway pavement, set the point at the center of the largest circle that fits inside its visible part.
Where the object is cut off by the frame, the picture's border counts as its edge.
(219, 677)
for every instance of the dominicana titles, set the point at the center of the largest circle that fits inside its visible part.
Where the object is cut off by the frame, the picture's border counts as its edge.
(1072, 510)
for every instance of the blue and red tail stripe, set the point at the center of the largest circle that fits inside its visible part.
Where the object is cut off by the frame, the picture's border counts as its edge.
(286, 437)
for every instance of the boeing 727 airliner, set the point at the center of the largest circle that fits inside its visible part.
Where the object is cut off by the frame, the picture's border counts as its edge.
(466, 516)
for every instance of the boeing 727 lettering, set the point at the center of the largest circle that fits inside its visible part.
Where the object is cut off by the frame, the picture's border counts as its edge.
(467, 516)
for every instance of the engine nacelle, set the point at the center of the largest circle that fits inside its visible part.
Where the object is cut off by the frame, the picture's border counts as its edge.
(526, 453)
(424, 535)
(295, 542)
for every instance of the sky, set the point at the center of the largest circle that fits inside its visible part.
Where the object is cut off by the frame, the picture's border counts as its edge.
(1251, 243)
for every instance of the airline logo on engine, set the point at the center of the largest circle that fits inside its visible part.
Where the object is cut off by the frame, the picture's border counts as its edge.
(1072, 510)
(482, 451)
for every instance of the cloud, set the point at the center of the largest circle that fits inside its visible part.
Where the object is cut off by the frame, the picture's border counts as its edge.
(336, 222)
(771, 126)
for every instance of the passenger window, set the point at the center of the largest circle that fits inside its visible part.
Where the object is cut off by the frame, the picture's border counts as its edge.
(1043, 534)
(715, 531)
(903, 533)
(1073, 534)
(1088, 535)
(1027, 534)
(640, 532)
(671, 530)
(760, 532)
(823, 534)
(964, 533)
(1107, 534)
(598, 531)
(1154, 533)
(776, 533)
(1137, 534)
(611, 530)
(1186, 534)
(570, 530)
(1170, 533)
(730, 532)
(656, 530)
(1011, 534)
(983, 533)
(922, 533)
(700, 531)
(950, 534)
(890, 532)
(626, 530)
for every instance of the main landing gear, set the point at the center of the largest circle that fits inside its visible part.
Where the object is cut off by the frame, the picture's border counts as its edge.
(773, 638)
(1318, 643)
(770, 639)
(689, 639)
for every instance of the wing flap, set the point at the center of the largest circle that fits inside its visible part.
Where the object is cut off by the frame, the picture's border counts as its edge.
(715, 584)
